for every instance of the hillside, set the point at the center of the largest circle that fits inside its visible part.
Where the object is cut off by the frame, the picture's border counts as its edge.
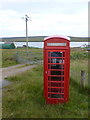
(40, 39)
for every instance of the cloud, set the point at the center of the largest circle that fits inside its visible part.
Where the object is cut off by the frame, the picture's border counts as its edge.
(45, 22)
(33, 1)
(60, 23)
(11, 22)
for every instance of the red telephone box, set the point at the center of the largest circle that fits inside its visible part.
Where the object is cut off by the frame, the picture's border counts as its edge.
(56, 69)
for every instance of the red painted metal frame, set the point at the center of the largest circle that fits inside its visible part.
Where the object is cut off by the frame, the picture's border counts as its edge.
(66, 50)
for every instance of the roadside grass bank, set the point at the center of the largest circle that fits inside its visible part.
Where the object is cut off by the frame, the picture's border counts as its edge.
(8, 57)
(0, 58)
(78, 59)
(24, 99)
(75, 71)
(12, 57)
(0, 104)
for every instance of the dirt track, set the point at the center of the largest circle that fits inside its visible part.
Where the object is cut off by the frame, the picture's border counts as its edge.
(11, 71)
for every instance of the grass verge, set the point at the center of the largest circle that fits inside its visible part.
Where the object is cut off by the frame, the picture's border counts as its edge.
(79, 58)
(8, 57)
(24, 99)
(12, 57)
(75, 71)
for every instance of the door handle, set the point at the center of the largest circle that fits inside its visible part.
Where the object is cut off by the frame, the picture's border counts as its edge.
(46, 72)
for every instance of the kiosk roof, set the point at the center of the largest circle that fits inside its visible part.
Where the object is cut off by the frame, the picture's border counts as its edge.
(57, 36)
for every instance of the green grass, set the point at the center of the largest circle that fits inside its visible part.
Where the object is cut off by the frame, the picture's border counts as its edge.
(0, 58)
(33, 55)
(15, 56)
(79, 61)
(24, 99)
(23, 39)
(8, 57)
(76, 67)
(0, 104)
(79, 57)
(79, 53)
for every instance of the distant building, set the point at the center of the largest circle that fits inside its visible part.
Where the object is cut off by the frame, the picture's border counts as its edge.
(85, 46)
(8, 45)
(88, 49)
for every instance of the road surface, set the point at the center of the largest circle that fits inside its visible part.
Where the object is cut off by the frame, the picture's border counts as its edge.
(11, 71)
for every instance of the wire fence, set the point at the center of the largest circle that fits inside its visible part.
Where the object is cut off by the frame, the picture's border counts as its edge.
(79, 60)
(29, 57)
(15, 56)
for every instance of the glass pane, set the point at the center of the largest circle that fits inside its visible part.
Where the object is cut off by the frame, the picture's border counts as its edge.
(49, 55)
(55, 60)
(55, 66)
(55, 95)
(51, 78)
(57, 72)
(56, 90)
(61, 78)
(56, 44)
(54, 84)
(56, 54)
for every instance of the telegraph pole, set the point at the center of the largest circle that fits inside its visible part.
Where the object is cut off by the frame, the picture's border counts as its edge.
(26, 20)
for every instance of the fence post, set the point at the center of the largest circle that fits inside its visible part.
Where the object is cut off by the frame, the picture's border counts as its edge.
(82, 78)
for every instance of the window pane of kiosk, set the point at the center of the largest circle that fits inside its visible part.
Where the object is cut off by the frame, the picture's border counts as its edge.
(56, 44)
(57, 72)
(53, 66)
(55, 60)
(51, 78)
(56, 54)
(55, 95)
(56, 90)
(55, 84)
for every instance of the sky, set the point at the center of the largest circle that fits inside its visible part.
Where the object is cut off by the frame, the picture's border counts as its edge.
(47, 17)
